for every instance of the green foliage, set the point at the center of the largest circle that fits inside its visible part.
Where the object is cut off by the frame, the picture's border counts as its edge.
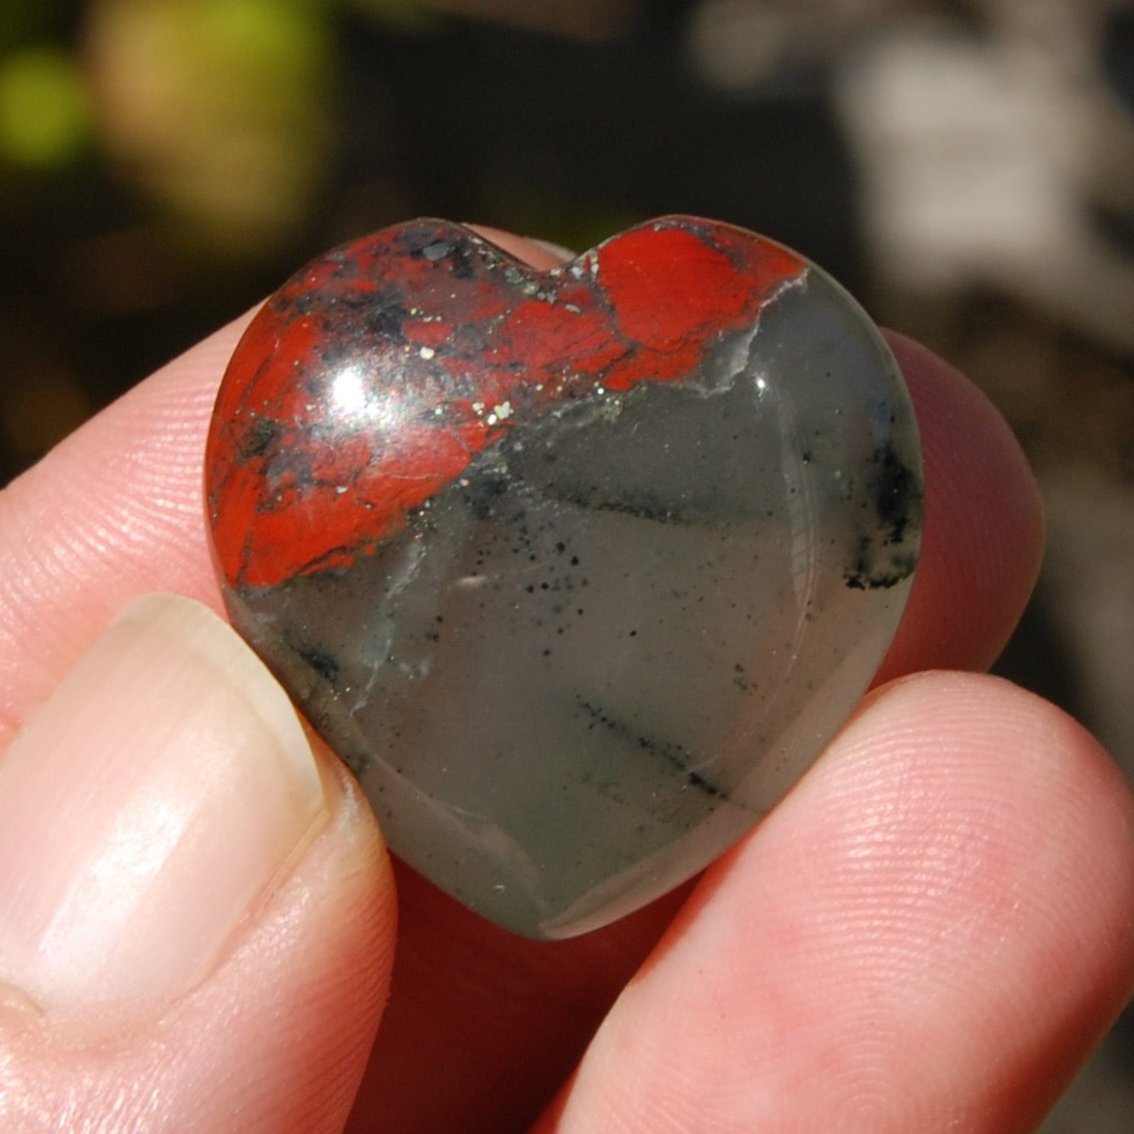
(45, 115)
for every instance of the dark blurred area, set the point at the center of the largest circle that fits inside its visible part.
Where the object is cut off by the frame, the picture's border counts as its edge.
(966, 167)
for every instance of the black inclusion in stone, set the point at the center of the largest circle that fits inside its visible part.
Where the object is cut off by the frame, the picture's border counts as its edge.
(457, 255)
(673, 754)
(638, 505)
(323, 663)
(460, 261)
(385, 318)
(879, 560)
(874, 568)
(897, 497)
(483, 492)
(260, 437)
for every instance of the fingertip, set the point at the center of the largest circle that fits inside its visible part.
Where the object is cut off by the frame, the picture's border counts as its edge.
(930, 932)
(199, 912)
(1031, 825)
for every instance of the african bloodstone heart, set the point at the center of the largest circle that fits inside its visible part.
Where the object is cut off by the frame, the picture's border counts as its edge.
(580, 569)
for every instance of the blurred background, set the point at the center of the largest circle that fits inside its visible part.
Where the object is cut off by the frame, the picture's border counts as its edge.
(965, 166)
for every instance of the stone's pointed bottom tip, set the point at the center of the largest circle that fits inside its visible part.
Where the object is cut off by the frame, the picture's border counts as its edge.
(579, 570)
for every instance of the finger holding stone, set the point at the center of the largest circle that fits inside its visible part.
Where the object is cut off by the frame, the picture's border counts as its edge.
(928, 934)
(180, 872)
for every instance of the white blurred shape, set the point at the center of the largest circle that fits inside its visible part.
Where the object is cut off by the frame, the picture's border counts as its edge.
(741, 46)
(975, 159)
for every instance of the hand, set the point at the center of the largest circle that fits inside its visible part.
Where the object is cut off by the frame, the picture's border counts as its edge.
(197, 918)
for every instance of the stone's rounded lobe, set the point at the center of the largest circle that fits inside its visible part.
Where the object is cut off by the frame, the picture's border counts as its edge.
(580, 569)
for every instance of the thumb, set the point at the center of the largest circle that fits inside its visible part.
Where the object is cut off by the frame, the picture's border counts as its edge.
(196, 914)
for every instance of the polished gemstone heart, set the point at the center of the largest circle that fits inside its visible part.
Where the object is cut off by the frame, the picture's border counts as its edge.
(579, 570)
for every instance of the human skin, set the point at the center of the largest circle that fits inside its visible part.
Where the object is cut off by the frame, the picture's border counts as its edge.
(929, 933)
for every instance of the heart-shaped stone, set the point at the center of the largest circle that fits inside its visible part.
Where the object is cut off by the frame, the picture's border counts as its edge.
(578, 570)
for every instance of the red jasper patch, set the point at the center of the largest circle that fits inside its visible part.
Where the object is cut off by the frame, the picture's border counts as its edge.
(374, 376)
